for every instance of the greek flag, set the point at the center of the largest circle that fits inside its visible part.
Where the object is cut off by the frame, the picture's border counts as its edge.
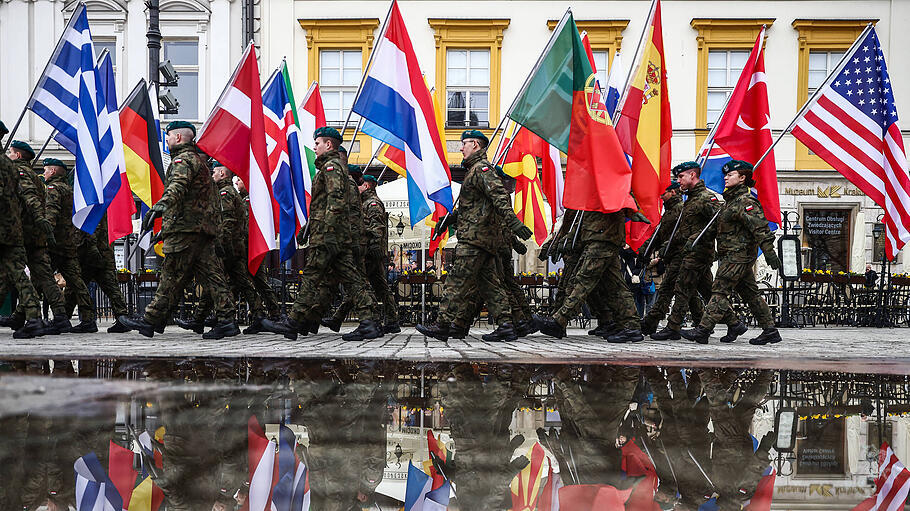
(70, 97)
(94, 489)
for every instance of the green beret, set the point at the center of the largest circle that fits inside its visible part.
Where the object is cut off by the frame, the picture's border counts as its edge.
(674, 185)
(475, 134)
(173, 125)
(22, 146)
(54, 162)
(743, 167)
(342, 149)
(355, 172)
(684, 166)
(3, 130)
(501, 173)
(371, 178)
(328, 132)
(216, 164)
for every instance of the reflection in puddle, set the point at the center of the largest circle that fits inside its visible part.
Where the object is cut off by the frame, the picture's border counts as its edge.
(345, 435)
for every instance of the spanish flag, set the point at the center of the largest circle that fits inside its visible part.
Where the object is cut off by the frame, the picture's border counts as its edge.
(644, 127)
(144, 167)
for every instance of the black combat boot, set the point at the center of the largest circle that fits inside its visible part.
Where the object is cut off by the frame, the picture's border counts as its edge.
(391, 328)
(331, 323)
(222, 329)
(698, 334)
(117, 328)
(15, 321)
(56, 326)
(648, 325)
(191, 324)
(139, 324)
(504, 332)
(604, 329)
(458, 332)
(626, 335)
(552, 328)
(439, 331)
(286, 327)
(160, 326)
(611, 329)
(211, 321)
(526, 327)
(255, 326)
(734, 331)
(85, 327)
(31, 328)
(666, 334)
(767, 336)
(311, 327)
(367, 329)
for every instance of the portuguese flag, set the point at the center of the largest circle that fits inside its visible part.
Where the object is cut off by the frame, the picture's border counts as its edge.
(562, 103)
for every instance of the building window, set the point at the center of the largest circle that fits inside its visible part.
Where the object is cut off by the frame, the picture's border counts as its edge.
(339, 75)
(184, 56)
(468, 88)
(724, 68)
(602, 65)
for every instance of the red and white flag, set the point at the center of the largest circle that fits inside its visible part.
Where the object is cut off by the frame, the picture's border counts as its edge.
(852, 125)
(744, 131)
(891, 486)
(234, 134)
(261, 457)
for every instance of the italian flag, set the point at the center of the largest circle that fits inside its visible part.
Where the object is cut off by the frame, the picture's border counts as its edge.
(310, 116)
(562, 103)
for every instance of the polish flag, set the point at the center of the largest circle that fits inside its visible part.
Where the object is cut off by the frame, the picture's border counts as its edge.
(234, 134)
(261, 456)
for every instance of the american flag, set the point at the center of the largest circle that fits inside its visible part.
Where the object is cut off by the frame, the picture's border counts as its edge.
(853, 127)
(892, 485)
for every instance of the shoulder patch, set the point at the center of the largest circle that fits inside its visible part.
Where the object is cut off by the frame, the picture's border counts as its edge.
(21, 172)
(329, 167)
(178, 160)
(713, 198)
(224, 192)
(750, 208)
(50, 187)
(485, 168)
(374, 203)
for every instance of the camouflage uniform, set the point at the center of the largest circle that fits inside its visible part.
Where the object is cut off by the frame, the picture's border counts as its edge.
(375, 248)
(96, 259)
(671, 254)
(740, 229)
(695, 268)
(484, 207)
(601, 236)
(189, 230)
(563, 244)
(231, 249)
(331, 254)
(12, 255)
(38, 260)
(260, 278)
(59, 210)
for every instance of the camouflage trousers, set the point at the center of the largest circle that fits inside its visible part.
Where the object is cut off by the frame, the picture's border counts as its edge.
(179, 268)
(38, 260)
(474, 276)
(12, 276)
(518, 301)
(240, 283)
(104, 273)
(740, 278)
(694, 279)
(264, 290)
(665, 295)
(570, 264)
(321, 276)
(600, 270)
(374, 267)
(67, 263)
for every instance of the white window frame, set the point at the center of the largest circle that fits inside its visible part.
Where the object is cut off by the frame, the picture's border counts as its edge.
(468, 89)
(339, 90)
(732, 75)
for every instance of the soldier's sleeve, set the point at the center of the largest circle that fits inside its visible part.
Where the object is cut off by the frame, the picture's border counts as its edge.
(374, 221)
(493, 189)
(754, 216)
(335, 188)
(228, 223)
(177, 183)
(52, 205)
(30, 193)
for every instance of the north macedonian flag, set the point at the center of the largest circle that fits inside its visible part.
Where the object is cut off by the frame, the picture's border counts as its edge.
(562, 103)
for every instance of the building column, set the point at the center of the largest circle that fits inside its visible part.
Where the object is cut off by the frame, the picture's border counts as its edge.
(16, 66)
(220, 56)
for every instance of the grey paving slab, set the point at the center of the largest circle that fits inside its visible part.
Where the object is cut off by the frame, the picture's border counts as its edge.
(831, 349)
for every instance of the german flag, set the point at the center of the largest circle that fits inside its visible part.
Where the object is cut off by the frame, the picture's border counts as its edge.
(144, 167)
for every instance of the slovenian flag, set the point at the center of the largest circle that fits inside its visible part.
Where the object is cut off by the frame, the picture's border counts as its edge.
(397, 109)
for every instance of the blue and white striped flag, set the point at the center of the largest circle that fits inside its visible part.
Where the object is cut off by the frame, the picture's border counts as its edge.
(94, 489)
(70, 96)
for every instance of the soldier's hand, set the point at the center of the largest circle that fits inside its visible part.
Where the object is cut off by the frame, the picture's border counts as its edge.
(524, 232)
(154, 212)
(544, 251)
(156, 238)
(519, 247)
(45, 226)
(772, 259)
(51, 240)
(332, 248)
(446, 222)
(689, 246)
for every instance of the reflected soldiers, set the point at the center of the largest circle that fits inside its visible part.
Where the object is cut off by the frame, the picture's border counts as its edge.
(741, 229)
(188, 207)
(695, 266)
(65, 242)
(12, 253)
(484, 205)
(331, 251)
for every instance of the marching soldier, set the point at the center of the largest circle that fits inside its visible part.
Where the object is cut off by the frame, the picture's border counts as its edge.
(260, 278)
(484, 204)
(36, 233)
(65, 241)
(741, 228)
(695, 268)
(330, 250)
(12, 254)
(188, 229)
(669, 249)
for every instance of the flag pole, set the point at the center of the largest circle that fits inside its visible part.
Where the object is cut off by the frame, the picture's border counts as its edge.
(636, 60)
(12, 133)
(366, 70)
(812, 100)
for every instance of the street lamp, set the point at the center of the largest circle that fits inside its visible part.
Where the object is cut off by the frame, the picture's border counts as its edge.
(883, 318)
(400, 227)
(788, 246)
